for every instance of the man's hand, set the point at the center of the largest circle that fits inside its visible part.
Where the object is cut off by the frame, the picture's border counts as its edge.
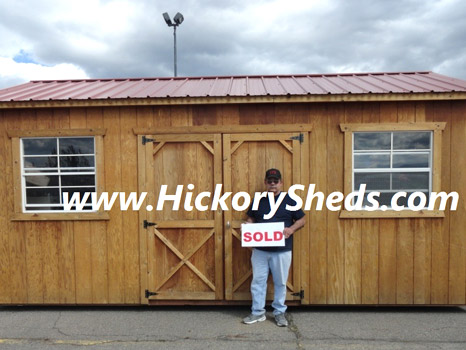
(287, 232)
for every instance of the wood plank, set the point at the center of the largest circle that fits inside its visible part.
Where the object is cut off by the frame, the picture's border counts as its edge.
(318, 228)
(5, 267)
(457, 263)
(98, 230)
(227, 187)
(301, 114)
(67, 268)
(422, 235)
(115, 240)
(405, 232)
(295, 273)
(145, 119)
(180, 116)
(130, 217)
(406, 122)
(370, 234)
(352, 254)
(441, 228)
(233, 129)
(387, 233)
(97, 216)
(55, 132)
(66, 258)
(33, 245)
(345, 214)
(206, 115)
(82, 233)
(50, 234)
(262, 136)
(335, 227)
(182, 137)
(229, 115)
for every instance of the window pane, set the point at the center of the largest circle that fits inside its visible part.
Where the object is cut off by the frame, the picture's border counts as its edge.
(42, 196)
(404, 201)
(410, 160)
(76, 145)
(40, 146)
(77, 161)
(40, 162)
(78, 180)
(364, 161)
(372, 141)
(81, 191)
(410, 181)
(43, 208)
(385, 198)
(374, 181)
(411, 140)
(41, 181)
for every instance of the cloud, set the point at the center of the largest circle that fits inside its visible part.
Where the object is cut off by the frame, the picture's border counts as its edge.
(121, 38)
(14, 73)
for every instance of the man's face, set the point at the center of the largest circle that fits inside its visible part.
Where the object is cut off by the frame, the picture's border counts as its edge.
(273, 185)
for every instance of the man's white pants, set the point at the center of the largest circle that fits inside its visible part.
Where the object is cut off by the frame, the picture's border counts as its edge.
(279, 264)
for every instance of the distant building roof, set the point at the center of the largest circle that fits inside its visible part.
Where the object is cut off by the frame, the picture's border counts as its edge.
(234, 86)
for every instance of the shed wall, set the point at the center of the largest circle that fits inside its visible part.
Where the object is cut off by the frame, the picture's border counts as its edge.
(350, 261)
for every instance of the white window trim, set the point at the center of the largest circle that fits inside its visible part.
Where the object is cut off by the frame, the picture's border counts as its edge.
(24, 173)
(391, 169)
(349, 129)
(18, 214)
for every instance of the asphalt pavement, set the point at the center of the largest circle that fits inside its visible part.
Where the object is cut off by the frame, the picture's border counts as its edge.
(220, 327)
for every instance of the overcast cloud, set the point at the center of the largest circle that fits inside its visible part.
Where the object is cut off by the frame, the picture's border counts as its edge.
(69, 39)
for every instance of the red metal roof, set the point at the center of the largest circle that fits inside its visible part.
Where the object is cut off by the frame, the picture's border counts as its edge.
(237, 86)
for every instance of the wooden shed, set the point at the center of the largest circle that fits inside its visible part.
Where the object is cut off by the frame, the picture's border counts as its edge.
(392, 131)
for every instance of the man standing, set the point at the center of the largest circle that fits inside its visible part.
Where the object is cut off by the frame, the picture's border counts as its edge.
(277, 259)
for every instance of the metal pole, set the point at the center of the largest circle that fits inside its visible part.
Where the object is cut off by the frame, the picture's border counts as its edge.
(174, 57)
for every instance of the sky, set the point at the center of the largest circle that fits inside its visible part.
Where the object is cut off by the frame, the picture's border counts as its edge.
(76, 39)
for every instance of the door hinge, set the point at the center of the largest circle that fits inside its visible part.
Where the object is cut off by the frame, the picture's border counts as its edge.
(300, 138)
(299, 294)
(149, 294)
(147, 224)
(146, 140)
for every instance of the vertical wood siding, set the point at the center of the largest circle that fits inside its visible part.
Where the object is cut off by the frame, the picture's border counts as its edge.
(351, 261)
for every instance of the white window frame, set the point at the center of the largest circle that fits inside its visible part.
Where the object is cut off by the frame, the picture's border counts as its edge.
(435, 177)
(391, 169)
(56, 172)
(18, 213)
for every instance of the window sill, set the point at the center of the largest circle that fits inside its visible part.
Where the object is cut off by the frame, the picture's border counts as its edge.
(59, 216)
(378, 214)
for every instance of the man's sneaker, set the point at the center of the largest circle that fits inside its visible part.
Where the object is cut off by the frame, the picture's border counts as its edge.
(281, 320)
(254, 318)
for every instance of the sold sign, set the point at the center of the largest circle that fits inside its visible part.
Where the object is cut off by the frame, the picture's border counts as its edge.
(263, 235)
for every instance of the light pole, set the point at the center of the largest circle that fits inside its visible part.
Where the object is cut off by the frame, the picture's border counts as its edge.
(178, 19)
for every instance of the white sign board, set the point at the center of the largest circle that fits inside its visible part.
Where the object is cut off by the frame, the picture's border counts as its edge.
(268, 234)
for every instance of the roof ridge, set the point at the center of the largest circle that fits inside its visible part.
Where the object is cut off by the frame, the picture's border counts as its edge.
(301, 75)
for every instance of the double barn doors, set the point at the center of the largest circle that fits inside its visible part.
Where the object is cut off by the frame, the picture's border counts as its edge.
(191, 254)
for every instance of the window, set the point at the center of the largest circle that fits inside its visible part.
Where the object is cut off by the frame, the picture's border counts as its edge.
(48, 163)
(389, 162)
(391, 158)
(52, 166)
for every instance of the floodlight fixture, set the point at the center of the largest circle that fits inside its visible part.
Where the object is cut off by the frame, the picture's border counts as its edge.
(178, 19)
(167, 19)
